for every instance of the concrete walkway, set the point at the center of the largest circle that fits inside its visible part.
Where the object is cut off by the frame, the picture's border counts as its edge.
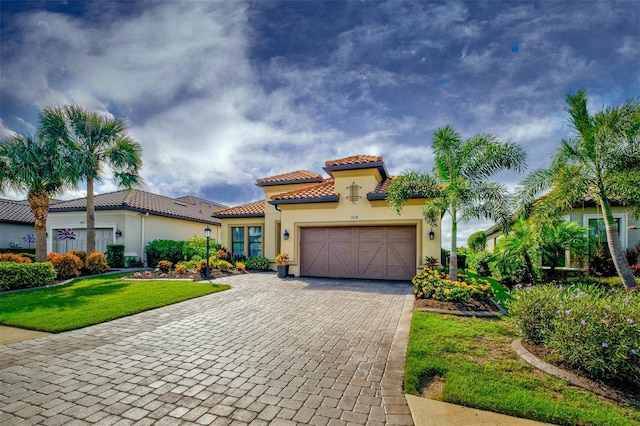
(268, 351)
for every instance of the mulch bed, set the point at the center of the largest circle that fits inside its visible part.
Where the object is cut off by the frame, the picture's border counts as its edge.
(470, 306)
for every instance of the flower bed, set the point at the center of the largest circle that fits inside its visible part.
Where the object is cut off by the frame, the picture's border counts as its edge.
(433, 284)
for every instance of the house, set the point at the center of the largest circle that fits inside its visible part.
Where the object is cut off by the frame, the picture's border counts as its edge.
(589, 215)
(16, 224)
(335, 226)
(133, 218)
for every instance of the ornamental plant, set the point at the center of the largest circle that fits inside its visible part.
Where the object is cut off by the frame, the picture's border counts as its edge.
(164, 266)
(281, 259)
(97, 264)
(432, 284)
(595, 330)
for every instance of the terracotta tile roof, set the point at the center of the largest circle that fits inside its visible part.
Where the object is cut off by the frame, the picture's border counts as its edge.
(254, 209)
(354, 159)
(187, 208)
(379, 193)
(299, 176)
(322, 192)
(16, 212)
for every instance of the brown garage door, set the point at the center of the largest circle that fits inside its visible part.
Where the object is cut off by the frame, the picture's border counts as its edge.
(384, 252)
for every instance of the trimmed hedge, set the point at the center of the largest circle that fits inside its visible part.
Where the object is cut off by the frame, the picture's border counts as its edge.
(115, 255)
(158, 250)
(15, 276)
(18, 250)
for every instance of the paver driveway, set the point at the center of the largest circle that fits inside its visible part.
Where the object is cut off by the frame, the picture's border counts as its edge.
(269, 351)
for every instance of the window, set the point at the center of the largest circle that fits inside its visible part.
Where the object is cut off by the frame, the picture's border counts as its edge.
(255, 241)
(237, 240)
(246, 241)
(598, 231)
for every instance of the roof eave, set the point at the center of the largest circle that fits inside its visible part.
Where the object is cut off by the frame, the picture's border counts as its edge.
(288, 182)
(238, 216)
(359, 166)
(324, 199)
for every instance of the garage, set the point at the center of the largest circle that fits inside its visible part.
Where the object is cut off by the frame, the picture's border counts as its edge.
(369, 252)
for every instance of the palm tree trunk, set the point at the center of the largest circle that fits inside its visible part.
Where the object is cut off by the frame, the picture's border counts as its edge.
(39, 202)
(91, 219)
(453, 261)
(615, 247)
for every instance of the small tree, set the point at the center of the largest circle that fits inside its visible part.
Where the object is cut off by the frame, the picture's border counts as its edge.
(477, 241)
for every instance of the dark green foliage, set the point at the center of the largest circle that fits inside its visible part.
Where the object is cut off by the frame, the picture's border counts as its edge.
(480, 262)
(259, 263)
(477, 241)
(170, 250)
(18, 250)
(600, 262)
(133, 262)
(115, 255)
(14, 276)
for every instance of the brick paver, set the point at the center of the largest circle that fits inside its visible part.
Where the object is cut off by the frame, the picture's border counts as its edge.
(269, 351)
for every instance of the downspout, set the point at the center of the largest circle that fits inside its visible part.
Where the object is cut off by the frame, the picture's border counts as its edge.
(142, 253)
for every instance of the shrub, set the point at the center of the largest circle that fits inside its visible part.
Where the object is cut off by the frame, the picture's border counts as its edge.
(158, 250)
(181, 268)
(15, 276)
(96, 263)
(164, 266)
(430, 262)
(115, 255)
(595, 330)
(635, 269)
(259, 263)
(477, 241)
(223, 265)
(67, 265)
(480, 262)
(240, 266)
(133, 262)
(224, 254)
(29, 255)
(16, 258)
(432, 284)
(82, 255)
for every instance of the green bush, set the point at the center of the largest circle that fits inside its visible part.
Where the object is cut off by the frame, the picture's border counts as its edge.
(432, 284)
(19, 250)
(15, 276)
(115, 255)
(594, 330)
(480, 262)
(259, 263)
(96, 264)
(158, 250)
(133, 262)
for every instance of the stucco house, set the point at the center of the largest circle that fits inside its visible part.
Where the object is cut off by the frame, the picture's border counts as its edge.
(335, 226)
(589, 215)
(133, 218)
(16, 224)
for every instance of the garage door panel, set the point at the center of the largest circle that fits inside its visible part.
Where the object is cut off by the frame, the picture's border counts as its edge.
(359, 252)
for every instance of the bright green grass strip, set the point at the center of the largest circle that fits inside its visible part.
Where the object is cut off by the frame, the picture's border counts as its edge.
(94, 300)
(502, 293)
(483, 371)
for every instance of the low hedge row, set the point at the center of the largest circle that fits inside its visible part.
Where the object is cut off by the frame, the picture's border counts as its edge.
(14, 276)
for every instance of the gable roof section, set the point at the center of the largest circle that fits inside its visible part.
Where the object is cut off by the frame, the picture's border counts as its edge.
(319, 193)
(357, 162)
(186, 208)
(253, 209)
(12, 211)
(299, 176)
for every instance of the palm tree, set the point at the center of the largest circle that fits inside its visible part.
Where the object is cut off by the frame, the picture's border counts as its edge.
(557, 238)
(97, 142)
(600, 162)
(41, 168)
(457, 185)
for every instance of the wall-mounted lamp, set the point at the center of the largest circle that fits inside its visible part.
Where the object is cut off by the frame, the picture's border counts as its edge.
(118, 233)
(432, 234)
(285, 235)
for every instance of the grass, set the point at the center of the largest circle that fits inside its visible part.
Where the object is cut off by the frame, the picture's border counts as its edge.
(89, 301)
(502, 293)
(482, 371)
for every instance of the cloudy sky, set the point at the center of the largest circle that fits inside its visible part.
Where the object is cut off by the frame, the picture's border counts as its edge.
(221, 93)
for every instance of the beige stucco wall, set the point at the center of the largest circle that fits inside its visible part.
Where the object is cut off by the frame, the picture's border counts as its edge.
(138, 229)
(14, 233)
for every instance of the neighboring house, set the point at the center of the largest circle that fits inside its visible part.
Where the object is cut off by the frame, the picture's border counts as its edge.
(589, 215)
(340, 226)
(133, 218)
(16, 224)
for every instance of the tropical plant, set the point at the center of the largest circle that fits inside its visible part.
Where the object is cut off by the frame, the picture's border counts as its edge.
(600, 162)
(97, 141)
(97, 264)
(41, 168)
(558, 238)
(519, 243)
(458, 184)
(281, 259)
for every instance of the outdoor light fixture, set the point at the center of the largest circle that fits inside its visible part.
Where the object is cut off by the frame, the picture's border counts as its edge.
(118, 233)
(432, 234)
(285, 235)
(207, 234)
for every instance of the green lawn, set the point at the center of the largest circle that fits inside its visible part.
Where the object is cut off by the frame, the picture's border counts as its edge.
(94, 300)
(482, 371)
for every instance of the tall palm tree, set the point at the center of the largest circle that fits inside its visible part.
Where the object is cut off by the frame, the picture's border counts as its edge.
(600, 162)
(458, 184)
(41, 168)
(97, 142)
